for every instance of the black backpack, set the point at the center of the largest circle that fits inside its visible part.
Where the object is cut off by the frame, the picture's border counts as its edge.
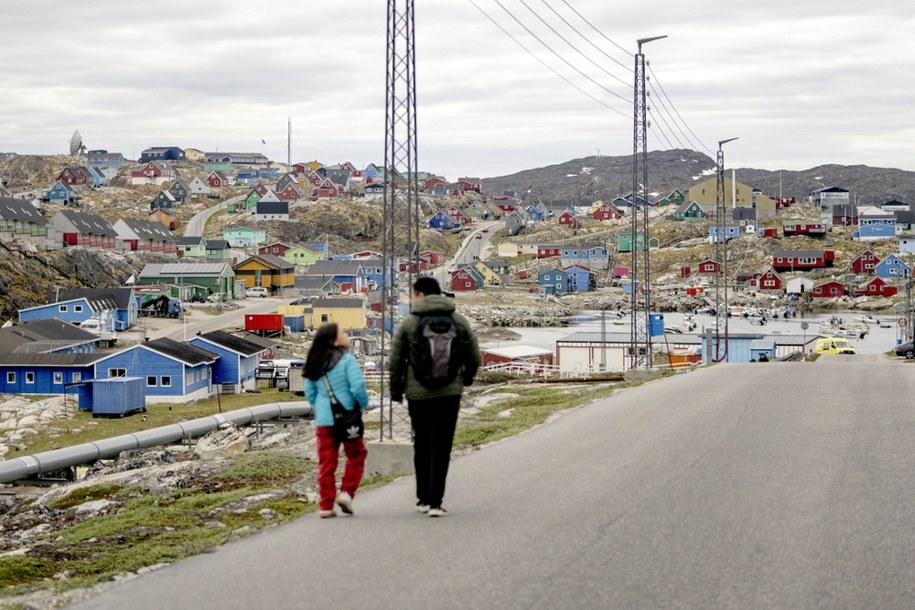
(437, 352)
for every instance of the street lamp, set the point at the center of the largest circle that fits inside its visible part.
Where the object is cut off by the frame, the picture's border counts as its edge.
(721, 255)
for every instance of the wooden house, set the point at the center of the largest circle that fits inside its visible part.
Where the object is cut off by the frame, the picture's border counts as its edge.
(874, 224)
(75, 176)
(892, 267)
(218, 180)
(83, 229)
(769, 281)
(348, 313)
(548, 250)
(199, 188)
(302, 255)
(192, 246)
(566, 219)
(606, 211)
(144, 236)
(514, 223)
(236, 367)
(243, 237)
(209, 278)
(810, 229)
(180, 190)
(271, 210)
(163, 200)
(266, 270)
(580, 278)
(828, 289)
(324, 189)
(802, 260)
(865, 263)
(441, 221)
(462, 280)
(554, 281)
(277, 249)
(876, 287)
(164, 217)
(20, 221)
(708, 267)
(690, 210)
(62, 192)
(153, 173)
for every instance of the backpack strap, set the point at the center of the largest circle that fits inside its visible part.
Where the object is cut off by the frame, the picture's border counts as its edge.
(330, 390)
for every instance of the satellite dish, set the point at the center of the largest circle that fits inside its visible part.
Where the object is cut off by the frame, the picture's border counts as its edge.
(76, 144)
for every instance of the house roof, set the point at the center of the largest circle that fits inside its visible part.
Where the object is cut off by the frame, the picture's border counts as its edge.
(272, 207)
(336, 302)
(152, 231)
(185, 269)
(233, 343)
(119, 296)
(191, 240)
(89, 223)
(217, 244)
(185, 352)
(50, 334)
(18, 209)
(311, 282)
(517, 351)
(326, 267)
(43, 359)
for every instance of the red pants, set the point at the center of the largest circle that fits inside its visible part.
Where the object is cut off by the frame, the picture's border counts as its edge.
(328, 454)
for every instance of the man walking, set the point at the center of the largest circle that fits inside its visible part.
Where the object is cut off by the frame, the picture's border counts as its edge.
(433, 356)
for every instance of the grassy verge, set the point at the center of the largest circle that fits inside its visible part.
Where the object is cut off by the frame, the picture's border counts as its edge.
(82, 427)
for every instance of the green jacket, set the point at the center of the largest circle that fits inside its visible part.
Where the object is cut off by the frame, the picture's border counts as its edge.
(403, 383)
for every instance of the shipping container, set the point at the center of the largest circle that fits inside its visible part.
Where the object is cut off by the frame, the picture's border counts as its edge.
(295, 324)
(264, 322)
(113, 396)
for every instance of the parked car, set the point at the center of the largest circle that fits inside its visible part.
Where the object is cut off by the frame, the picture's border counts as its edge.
(257, 291)
(906, 349)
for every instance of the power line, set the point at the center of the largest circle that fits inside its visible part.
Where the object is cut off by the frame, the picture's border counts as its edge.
(560, 57)
(573, 47)
(546, 65)
(593, 27)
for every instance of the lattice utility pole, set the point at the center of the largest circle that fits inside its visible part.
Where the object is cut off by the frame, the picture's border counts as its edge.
(639, 274)
(401, 193)
(720, 352)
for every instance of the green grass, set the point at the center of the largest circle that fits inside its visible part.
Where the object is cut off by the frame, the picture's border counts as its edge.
(83, 428)
(265, 468)
(532, 407)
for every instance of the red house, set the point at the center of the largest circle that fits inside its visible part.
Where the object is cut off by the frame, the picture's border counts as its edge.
(770, 232)
(276, 249)
(865, 263)
(567, 220)
(810, 229)
(432, 257)
(75, 176)
(769, 280)
(548, 251)
(605, 211)
(217, 180)
(876, 288)
(506, 206)
(463, 281)
(708, 266)
(288, 193)
(828, 289)
(802, 260)
(325, 189)
(458, 216)
(434, 181)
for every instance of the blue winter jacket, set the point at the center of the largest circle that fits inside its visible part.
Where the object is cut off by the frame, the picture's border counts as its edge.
(348, 385)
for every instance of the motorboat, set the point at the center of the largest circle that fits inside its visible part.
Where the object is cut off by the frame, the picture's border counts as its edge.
(867, 319)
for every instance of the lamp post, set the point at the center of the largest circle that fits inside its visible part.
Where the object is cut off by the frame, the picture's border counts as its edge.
(721, 256)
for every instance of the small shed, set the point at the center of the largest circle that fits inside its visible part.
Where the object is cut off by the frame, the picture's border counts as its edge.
(112, 396)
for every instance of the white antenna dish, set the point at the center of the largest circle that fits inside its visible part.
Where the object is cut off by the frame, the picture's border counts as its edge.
(76, 144)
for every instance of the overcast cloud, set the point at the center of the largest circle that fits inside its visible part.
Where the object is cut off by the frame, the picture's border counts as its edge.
(799, 85)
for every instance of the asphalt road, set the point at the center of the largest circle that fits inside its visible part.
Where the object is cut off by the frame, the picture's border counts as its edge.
(778, 485)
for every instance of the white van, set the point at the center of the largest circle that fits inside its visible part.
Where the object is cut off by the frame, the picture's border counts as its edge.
(257, 291)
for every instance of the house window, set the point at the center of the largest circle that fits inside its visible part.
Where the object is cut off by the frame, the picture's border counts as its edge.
(58, 378)
(62, 308)
(11, 377)
(151, 381)
(76, 377)
(77, 309)
(165, 381)
(117, 372)
(30, 377)
(325, 317)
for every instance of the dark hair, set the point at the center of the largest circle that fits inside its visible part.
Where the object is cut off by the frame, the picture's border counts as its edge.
(427, 285)
(322, 352)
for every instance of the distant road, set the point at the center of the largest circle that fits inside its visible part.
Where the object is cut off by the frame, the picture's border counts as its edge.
(778, 485)
(197, 223)
(470, 249)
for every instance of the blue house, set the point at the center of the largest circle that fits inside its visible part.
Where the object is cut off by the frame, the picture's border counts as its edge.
(98, 176)
(728, 232)
(238, 359)
(441, 221)
(739, 348)
(535, 213)
(892, 266)
(579, 278)
(554, 281)
(60, 191)
(874, 223)
(117, 307)
(174, 371)
(372, 173)
(349, 275)
(42, 357)
(161, 153)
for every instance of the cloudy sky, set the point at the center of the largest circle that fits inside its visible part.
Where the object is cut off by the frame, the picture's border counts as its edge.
(800, 85)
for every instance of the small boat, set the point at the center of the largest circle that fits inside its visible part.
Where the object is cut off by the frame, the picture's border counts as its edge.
(867, 319)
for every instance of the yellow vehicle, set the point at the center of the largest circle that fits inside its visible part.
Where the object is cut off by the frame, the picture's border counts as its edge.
(833, 345)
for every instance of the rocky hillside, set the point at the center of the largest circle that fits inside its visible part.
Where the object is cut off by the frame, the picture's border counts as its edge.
(591, 178)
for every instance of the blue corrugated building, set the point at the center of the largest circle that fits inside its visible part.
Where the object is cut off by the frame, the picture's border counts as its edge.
(238, 358)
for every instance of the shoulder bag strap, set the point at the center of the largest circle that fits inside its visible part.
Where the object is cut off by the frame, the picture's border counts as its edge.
(330, 391)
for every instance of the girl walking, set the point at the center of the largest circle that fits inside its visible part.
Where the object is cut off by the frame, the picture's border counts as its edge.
(329, 362)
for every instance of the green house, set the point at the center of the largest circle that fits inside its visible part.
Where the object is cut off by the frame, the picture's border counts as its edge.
(690, 210)
(242, 237)
(252, 199)
(194, 246)
(203, 278)
(676, 197)
(624, 242)
(302, 255)
(222, 166)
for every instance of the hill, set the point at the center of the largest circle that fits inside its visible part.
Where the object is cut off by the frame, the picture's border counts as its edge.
(600, 177)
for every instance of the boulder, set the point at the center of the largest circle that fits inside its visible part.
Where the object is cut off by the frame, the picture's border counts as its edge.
(226, 440)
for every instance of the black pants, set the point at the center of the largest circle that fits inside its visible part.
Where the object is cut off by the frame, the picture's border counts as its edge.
(434, 422)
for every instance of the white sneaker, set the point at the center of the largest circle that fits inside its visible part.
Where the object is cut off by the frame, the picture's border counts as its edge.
(438, 511)
(327, 514)
(422, 508)
(345, 502)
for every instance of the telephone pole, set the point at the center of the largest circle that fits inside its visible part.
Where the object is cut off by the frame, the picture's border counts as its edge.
(401, 193)
(720, 352)
(640, 335)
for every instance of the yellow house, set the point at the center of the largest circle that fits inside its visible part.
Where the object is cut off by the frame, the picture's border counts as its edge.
(348, 313)
(706, 195)
(302, 255)
(192, 154)
(490, 277)
(266, 270)
(507, 249)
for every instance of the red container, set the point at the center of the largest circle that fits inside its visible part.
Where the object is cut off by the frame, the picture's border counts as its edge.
(272, 322)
